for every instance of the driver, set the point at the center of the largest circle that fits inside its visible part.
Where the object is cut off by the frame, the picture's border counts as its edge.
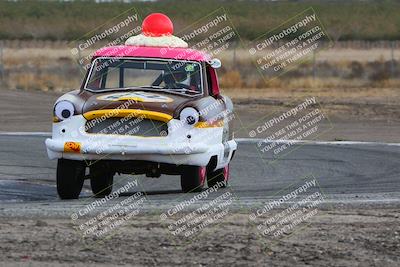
(175, 79)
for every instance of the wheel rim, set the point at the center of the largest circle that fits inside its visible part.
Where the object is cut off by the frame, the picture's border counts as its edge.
(226, 173)
(202, 175)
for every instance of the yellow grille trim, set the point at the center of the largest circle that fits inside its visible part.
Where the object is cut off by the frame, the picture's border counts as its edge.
(110, 113)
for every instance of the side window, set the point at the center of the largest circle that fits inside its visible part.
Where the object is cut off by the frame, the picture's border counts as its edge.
(212, 80)
(209, 82)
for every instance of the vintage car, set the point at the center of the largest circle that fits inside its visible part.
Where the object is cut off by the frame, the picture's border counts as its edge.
(143, 110)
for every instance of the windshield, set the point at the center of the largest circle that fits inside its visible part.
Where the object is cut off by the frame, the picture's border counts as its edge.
(181, 77)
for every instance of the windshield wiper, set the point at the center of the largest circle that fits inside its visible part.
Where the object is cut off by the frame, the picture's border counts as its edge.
(151, 86)
(170, 90)
(182, 90)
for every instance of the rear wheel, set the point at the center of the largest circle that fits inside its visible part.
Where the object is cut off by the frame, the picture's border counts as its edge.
(193, 178)
(70, 178)
(218, 176)
(102, 183)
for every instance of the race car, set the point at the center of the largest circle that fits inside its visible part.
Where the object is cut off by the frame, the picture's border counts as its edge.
(152, 106)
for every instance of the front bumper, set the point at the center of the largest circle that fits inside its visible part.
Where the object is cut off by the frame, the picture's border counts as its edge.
(70, 141)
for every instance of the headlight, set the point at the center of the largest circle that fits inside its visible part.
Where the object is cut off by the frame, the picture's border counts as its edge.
(64, 110)
(189, 116)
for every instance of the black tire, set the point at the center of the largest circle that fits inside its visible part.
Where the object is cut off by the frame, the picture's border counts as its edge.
(70, 178)
(218, 176)
(193, 178)
(102, 184)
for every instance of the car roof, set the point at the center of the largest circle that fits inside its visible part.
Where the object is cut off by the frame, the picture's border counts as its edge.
(152, 52)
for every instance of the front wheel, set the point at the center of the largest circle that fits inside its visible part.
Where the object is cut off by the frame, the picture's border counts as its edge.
(70, 178)
(193, 178)
(220, 176)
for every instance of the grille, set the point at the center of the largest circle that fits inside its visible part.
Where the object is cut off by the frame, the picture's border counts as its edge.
(127, 126)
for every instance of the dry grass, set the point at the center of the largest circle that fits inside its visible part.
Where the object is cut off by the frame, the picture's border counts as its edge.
(42, 82)
(344, 95)
(337, 55)
(68, 20)
(231, 79)
(228, 57)
(56, 69)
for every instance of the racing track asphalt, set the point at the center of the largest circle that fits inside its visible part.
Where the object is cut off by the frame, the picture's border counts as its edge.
(349, 172)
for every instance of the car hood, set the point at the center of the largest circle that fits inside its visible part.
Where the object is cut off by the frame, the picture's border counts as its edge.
(145, 100)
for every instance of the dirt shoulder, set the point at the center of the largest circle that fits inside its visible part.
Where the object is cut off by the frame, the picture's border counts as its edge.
(370, 114)
(336, 237)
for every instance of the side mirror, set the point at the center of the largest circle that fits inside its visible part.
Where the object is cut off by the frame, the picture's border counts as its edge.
(215, 63)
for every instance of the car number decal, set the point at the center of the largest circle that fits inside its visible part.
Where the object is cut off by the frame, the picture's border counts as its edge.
(74, 147)
(137, 96)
